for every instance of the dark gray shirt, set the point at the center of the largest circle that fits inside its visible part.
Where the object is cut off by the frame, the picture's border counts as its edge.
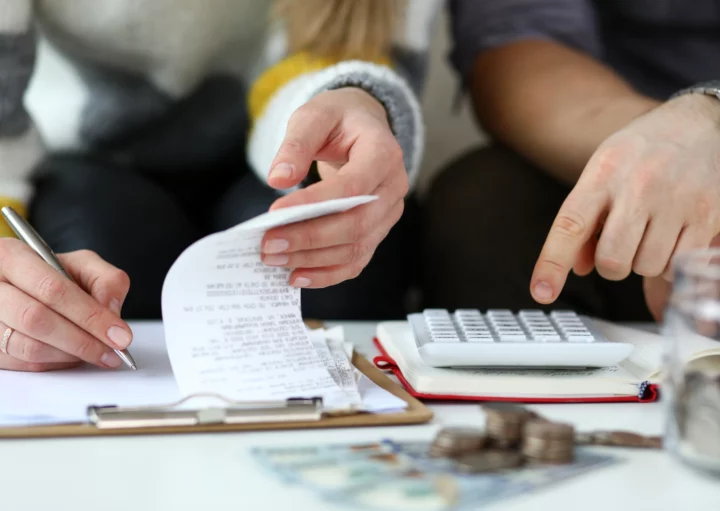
(660, 46)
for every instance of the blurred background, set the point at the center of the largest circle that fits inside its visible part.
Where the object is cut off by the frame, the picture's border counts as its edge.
(449, 132)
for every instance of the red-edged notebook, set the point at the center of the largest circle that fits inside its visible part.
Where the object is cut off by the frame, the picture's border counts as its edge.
(634, 380)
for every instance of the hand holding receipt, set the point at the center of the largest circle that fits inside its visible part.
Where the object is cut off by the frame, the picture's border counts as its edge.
(51, 322)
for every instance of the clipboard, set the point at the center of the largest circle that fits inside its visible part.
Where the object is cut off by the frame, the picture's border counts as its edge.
(266, 416)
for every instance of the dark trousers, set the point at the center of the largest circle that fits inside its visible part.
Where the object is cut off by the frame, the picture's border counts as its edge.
(141, 220)
(486, 219)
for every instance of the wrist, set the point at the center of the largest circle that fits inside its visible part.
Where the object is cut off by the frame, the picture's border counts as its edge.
(366, 100)
(702, 108)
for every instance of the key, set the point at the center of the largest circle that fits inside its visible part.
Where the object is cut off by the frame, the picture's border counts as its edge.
(546, 337)
(512, 337)
(480, 338)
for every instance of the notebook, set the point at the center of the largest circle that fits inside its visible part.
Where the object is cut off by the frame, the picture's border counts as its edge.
(634, 379)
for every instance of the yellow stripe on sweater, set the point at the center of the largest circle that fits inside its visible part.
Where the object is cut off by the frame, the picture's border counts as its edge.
(20, 209)
(272, 80)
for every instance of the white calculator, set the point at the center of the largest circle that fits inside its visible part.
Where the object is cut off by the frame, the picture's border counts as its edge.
(501, 338)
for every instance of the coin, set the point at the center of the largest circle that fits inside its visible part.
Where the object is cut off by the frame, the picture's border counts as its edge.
(489, 461)
(549, 442)
(550, 430)
(453, 441)
(504, 423)
(618, 439)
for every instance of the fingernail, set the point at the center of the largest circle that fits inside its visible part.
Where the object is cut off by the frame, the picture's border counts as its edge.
(119, 336)
(302, 282)
(111, 360)
(281, 171)
(276, 246)
(116, 306)
(276, 260)
(543, 292)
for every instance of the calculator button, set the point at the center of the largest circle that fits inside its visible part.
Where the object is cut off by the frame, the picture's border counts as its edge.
(445, 338)
(468, 313)
(493, 313)
(539, 326)
(578, 337)
(476, 330)
(512, 337)
(481, 338)
(547, 337)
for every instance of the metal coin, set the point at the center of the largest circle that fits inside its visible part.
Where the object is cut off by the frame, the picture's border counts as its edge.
(550, 430)
(504, 423)
(619, 439)
(489, 461)
(454, 441)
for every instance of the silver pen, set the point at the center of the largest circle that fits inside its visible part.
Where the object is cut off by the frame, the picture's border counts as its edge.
(30, 236)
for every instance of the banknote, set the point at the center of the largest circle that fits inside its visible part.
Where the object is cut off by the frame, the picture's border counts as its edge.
(395, 476)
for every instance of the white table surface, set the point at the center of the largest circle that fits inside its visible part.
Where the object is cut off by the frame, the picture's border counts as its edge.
(215, 472)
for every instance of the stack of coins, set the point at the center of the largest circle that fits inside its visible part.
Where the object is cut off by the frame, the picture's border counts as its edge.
(504, 423)
(549, 442)
(456, 441)
(515, 436)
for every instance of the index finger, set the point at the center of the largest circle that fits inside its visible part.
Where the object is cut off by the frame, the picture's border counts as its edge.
(29, 273)
(574, 224)
(107, 284)
(366, 169)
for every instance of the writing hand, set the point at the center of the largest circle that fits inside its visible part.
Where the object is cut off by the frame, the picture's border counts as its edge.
(58, 323)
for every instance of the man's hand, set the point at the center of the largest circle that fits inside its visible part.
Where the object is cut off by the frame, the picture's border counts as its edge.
(650, 191)
(57, 323)
(346, 131)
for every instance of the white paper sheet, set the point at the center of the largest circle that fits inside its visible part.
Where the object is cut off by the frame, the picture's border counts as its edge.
(233, 326)
(63, 396)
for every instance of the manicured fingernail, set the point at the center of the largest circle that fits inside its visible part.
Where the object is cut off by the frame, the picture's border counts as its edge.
(111, 360)
(116, 306)
(276, 246)
(302, 282)
(281, 171)
(276, 260)
(119, 336)
(543, 292)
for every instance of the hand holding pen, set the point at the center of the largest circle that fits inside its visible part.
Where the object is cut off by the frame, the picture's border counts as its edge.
(56, 311)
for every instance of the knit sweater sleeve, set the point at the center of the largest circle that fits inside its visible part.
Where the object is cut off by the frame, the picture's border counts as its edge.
(292, 82)
(20, 144)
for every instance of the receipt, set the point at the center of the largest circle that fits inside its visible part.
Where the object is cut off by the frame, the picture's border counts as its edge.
(233, 326)
(340, 371)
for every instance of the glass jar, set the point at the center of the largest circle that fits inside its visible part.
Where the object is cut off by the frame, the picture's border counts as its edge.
(691, 383)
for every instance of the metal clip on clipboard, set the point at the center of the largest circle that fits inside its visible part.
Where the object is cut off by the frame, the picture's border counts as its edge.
(236, 412)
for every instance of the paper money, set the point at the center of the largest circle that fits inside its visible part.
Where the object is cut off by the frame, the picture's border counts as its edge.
(390, 475)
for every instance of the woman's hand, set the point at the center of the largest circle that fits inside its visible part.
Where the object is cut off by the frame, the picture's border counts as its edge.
(56, 323)
(346, 131)
(652, 190)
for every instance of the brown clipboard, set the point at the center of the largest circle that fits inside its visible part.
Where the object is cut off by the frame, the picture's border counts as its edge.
(415, 413)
